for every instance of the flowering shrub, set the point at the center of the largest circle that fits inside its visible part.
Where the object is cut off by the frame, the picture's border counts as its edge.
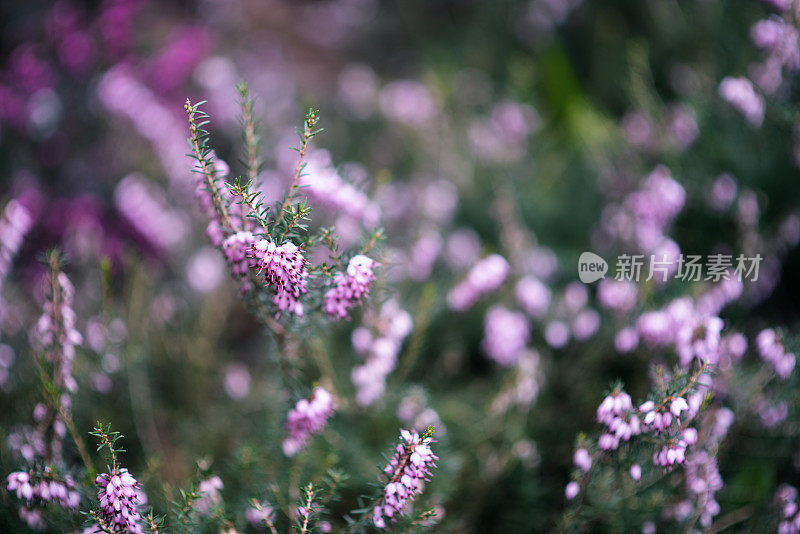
(552, 243)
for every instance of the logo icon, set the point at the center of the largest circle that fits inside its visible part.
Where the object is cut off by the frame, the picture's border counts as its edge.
(591, 267)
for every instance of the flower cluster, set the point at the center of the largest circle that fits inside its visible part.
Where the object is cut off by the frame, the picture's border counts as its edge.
(380, 344)
(285, 270)
(236, 247)
(119, 500)
(55, 330)
(349, 287)
(773, 351)
(45, 489)
(740, 93)
(210, 497)
(644, 215)
(786, 496)
(665, 420)
(407, 470)
(14, 225)
(780, 41)
(505, 335)
(483, 278)
(307, 418)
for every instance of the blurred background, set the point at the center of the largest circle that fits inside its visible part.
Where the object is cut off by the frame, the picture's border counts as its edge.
(462, 128)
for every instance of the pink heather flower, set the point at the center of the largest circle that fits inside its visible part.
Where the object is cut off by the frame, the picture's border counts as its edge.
(582, 459)
(699, 338)
(236, 247)
(326, 186)
(286, 272)
(572, 490)
(637, 129)
(722, 192)
(260, 515)
(408, 102)
(626, 340)
(14, 225)
(533, 296)
(658, 419)
(585, 324)
(505, 335)
(767, 33)
(210, 497)
(625, 426)
(391, 326)
(557, 334)
(408, 470)
(462, 248)
(19, 481)
(119, 501)
(674, 452)
(483, 278)
(614, 405)
(608, 442)
(636, 472)
(786, 498)
(703, 480)
(682, 125)
(237, 381)
(307, 418)
(349, 287)
(146, 207)
(773, 351)
(654, 328)
(55, 331)
(740, 93)
(619, 296)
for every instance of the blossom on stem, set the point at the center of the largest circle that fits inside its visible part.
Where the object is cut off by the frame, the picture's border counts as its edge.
(15, 223)
(483, 278)
(119, 501)
(505, 335)
(349, 287)
(740, 93)
(408, 469)
(773, 351)
(235, 248)
(285, 270)
(307, 418)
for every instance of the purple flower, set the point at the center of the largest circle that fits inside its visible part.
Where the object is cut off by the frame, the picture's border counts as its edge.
(505, 335)
(408, 470)
(483, 278)
(636, 472)
(626, 340)
(307, 418)
(119, 501)
(619, 296)
(349, 287)
(582, 459)
(285, 270)
(773, 351)
(700, 338)
(533, 296)
(572, 490)
(19, 481)
(235, 247)
(55, 331)
(722, 192)
(740, 93)
(260, 514)
(614, 405)
(210, 496)
(17, 220)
